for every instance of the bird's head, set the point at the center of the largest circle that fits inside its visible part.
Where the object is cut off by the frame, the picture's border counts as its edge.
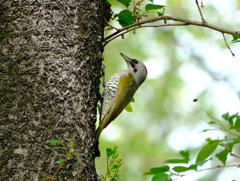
(137, 68)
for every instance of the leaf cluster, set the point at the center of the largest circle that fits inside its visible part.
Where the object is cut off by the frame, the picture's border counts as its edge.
(205, 154)
(127, 17)
(114, 163)
(233, 120)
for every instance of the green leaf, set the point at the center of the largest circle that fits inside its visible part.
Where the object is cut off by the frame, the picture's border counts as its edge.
(53, 142)
(207, 150)
(161, 177)
(185, 154)
(201, 163)
(230, 146)
(222, 156)
(237, 123)
(230, 120)
(236, 38)
(132, 100)
(125, 2)
(225, 116)
(129, 108)
(160, 14)
(212, 122)
(209, 140)
(43, 179)
(176, 161)
(153, 7)
(180, 169)
(165, 21)
(116, 166)
(234, 121)
(156, 170)
(193, 167)
(151, 1)
(86, 155)
(60, 162)
(236, 140)
(125, 18)
(99, 109)
(110, 152)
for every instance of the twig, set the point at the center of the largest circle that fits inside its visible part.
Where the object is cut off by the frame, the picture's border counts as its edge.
(126, 29)
(230, 132)
(212, 168)
(232, 154)
(227, 45)
(203, 20)
(172, 24)
(112, 27)
(146, 26)
(199, 9)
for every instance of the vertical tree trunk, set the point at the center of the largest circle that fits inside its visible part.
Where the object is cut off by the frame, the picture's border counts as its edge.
(50, 64)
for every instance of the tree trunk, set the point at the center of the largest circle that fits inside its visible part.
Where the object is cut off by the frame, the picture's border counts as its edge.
(50, 57)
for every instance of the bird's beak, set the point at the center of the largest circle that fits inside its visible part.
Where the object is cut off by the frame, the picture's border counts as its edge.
(126, 58)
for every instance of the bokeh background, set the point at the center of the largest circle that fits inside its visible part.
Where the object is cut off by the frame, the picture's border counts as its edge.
(184, 63)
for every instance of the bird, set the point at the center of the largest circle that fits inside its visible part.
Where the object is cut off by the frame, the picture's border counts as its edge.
(118, 91)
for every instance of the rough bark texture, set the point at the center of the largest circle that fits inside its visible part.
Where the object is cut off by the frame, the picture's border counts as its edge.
(50, 64)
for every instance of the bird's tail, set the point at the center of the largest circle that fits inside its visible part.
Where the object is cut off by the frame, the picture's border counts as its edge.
(98, 132)
(103, 124)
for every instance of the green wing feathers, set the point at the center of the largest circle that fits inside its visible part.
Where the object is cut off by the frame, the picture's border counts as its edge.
(113, 107)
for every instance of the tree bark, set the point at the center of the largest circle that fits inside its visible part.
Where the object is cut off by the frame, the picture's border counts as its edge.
(50, 57)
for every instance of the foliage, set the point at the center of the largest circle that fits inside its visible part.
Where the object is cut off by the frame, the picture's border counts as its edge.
(114, 163)
(127, 17)
(129, 108)
(236, 38)
(69, 152)
(169, 105)
(206, 153)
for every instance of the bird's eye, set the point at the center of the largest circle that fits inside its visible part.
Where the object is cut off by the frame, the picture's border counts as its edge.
(135, 70)
(135, 61)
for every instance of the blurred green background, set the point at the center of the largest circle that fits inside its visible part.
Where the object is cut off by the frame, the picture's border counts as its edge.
(184, 63)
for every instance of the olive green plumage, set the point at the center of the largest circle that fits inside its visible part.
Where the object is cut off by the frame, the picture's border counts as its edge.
(119, 90)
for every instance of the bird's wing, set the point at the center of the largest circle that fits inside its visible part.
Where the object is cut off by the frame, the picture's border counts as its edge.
(126, 90)
(117, 94)
(109, 93)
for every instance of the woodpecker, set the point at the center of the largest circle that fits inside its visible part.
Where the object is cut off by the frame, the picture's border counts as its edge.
(119, 90)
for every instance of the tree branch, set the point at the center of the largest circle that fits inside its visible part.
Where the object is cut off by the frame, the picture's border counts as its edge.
(184, 22)
(227, 45)
(236, 156)
(145, 26)
(211, 168)
(228, 131)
